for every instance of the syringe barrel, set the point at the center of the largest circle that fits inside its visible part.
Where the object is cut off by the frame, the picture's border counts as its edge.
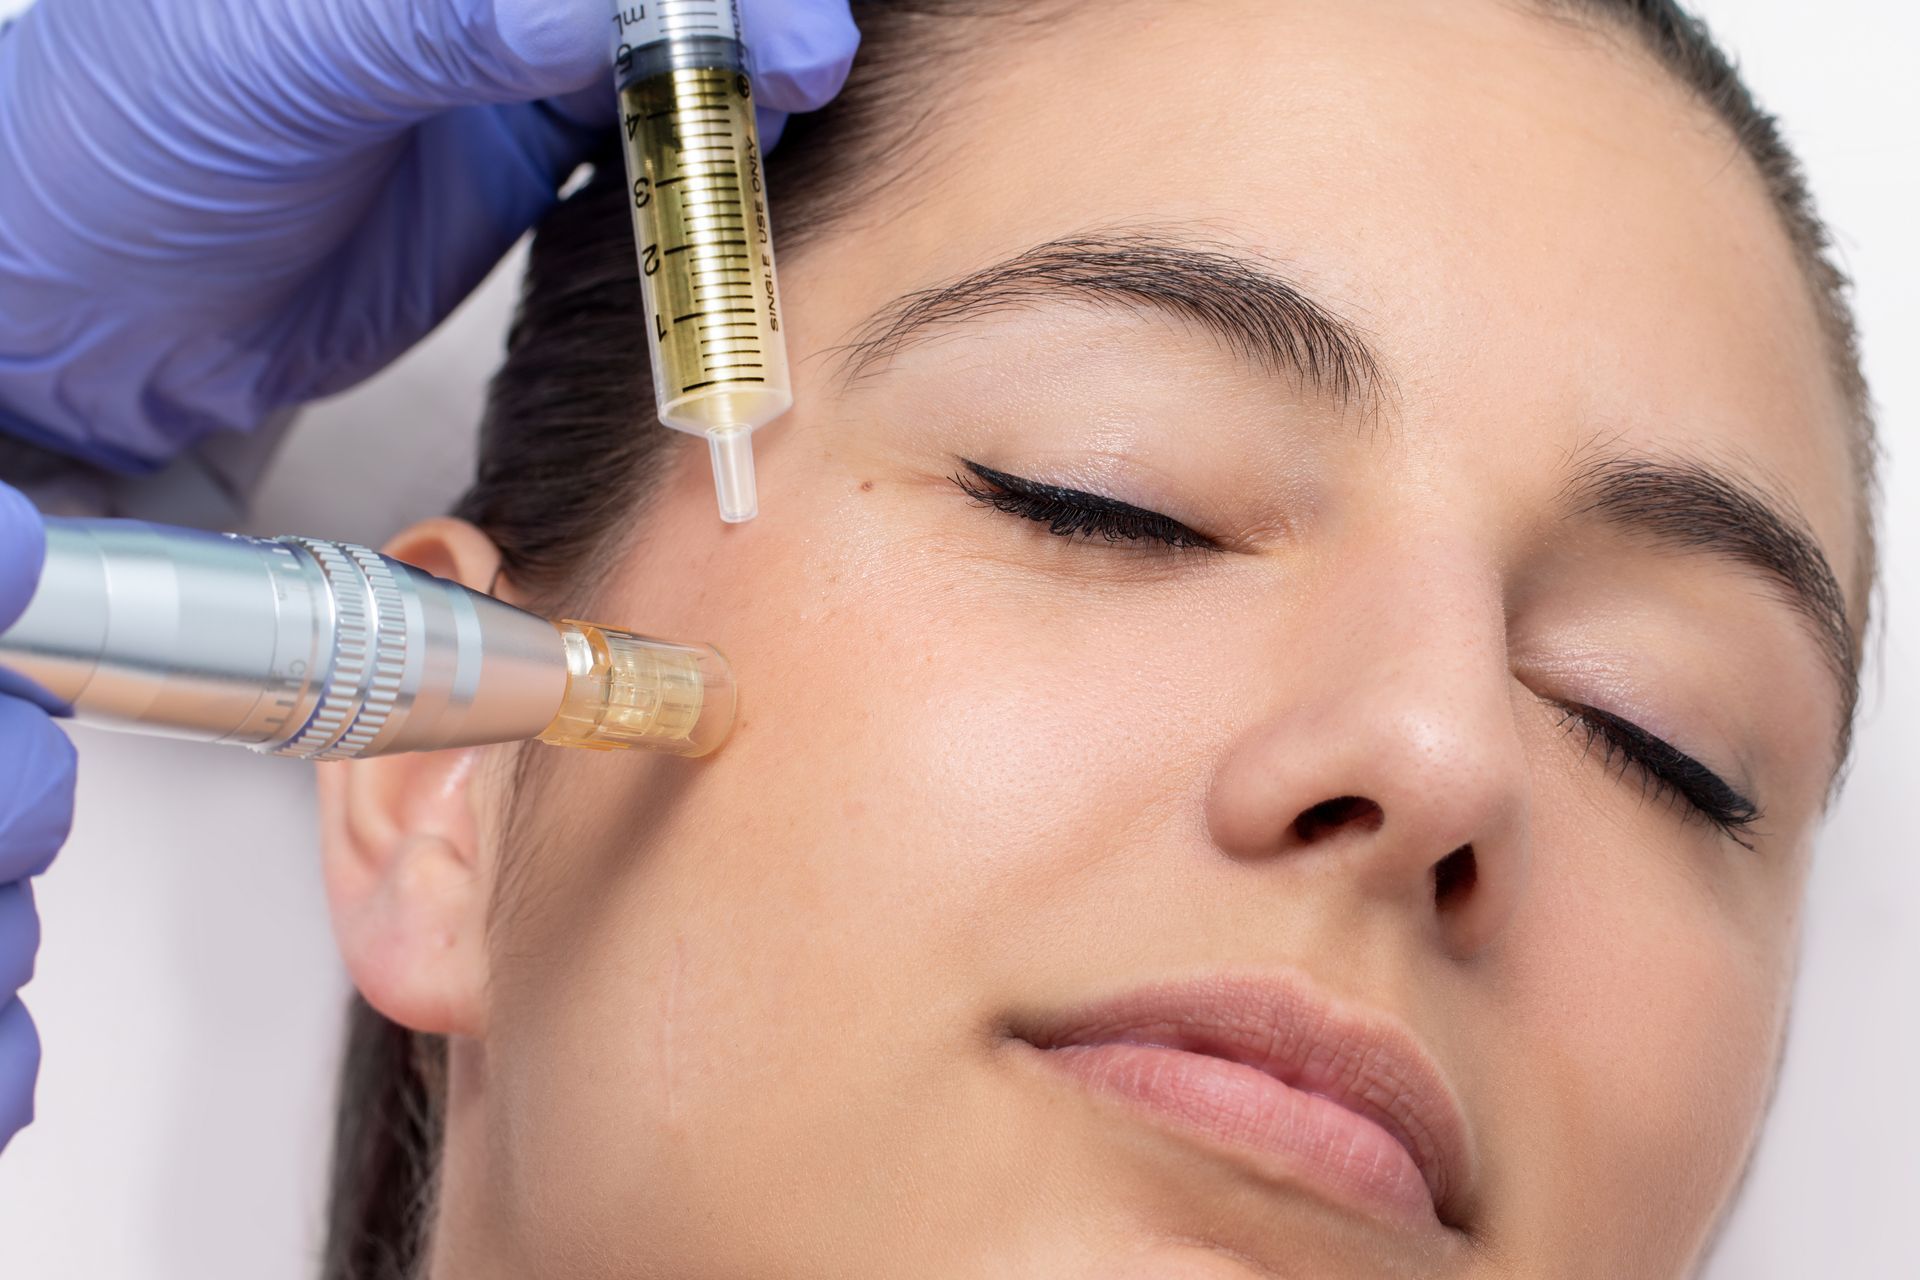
(702, 231)
(289, 646)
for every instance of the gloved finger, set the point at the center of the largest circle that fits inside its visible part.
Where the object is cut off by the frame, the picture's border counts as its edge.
(19, 1068)
(408, 59)
(800, 50)
(36, 789)
(596, 107)
(19, 937)
(771, 125)
(399, 294)
(23, 547)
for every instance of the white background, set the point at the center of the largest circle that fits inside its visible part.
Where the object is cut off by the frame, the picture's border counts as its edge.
(190, 996)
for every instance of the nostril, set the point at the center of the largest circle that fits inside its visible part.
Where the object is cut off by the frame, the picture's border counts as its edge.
(1454, 877)
(1330, 816)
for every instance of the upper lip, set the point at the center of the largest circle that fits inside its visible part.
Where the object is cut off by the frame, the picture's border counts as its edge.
(1365, 1063)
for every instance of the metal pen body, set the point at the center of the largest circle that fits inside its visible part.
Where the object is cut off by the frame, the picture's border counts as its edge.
(288, 646)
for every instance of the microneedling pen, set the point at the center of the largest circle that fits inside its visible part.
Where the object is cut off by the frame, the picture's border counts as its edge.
(299, 647)
(700, 225)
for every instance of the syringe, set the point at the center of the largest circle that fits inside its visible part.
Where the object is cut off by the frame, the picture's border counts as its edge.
(700, 225)
(300, 647)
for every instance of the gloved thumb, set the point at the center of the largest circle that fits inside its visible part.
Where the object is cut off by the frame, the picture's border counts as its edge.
(801, 52)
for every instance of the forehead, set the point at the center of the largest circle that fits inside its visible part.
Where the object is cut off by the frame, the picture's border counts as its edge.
(1529, 217)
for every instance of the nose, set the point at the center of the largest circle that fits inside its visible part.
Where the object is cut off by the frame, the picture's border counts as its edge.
(1389, 753)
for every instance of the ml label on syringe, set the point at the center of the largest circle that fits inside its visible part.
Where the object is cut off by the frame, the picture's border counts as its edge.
(667, 22)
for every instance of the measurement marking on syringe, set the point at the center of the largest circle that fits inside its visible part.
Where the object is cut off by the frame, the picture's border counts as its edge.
(714, 311)
(710, 244)
(723, 181)
(717, 382)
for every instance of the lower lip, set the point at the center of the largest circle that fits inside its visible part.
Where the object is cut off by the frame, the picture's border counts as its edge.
(1291, 1136)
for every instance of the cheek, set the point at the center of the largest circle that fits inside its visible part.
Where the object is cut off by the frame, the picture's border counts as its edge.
(1646, 1017)
(708, 960)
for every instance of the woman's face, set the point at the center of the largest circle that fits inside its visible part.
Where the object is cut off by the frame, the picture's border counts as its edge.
(1307, 895)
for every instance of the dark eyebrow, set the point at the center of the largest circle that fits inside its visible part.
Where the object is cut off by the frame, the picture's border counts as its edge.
(1252, 309)
(1696, 508)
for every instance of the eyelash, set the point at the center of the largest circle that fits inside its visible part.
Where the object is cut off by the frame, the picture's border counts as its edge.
(1665, 771)
(1072, 513)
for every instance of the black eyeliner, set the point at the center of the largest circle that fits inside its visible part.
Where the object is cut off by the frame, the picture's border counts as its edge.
(1668, 769)
(1071, 513)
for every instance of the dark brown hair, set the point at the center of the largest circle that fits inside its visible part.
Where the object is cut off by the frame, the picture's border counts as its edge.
(576, 387)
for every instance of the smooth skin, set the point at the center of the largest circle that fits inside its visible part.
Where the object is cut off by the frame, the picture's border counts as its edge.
(747, 1016)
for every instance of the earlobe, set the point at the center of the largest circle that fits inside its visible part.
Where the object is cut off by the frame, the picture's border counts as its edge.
(407, 873)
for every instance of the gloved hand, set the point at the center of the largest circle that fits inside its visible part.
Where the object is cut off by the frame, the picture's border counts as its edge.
(36, 806)
(213, 209)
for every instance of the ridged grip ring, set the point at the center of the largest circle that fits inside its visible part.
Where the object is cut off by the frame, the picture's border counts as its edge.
(364, 679)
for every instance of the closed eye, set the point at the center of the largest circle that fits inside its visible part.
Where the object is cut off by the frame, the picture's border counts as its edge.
(1664, 770)
(1074, 513)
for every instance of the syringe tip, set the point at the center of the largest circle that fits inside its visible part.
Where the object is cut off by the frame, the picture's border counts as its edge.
(733, 483)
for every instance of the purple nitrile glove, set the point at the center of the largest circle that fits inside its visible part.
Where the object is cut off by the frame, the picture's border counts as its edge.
(214, 209)
(36, 807)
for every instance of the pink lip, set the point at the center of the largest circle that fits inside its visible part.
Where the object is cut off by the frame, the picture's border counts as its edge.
(1274, 1071)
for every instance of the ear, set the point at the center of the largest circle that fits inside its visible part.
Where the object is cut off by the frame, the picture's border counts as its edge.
(409, 872)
